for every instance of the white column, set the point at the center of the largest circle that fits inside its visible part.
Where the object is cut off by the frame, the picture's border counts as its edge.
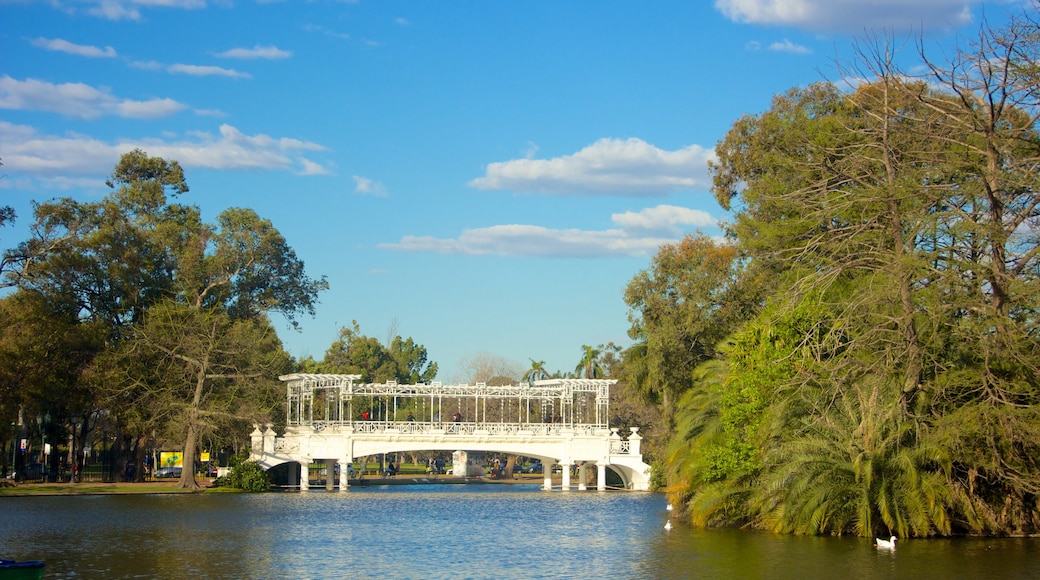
(565, 469)
(344, 474)
(582, 476)
(330, 474)
(547, 475)
(305, 476)
(601, 476)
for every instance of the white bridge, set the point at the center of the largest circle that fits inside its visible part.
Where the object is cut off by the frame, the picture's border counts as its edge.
(334, 420)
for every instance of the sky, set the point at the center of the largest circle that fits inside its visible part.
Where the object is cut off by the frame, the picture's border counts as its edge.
(483, 177)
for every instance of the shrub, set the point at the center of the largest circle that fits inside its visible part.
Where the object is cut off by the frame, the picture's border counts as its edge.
(248, 476)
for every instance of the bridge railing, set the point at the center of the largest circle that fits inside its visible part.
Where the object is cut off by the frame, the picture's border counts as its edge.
(456, 428)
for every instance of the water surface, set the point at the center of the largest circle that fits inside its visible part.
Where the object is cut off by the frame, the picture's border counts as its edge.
(450, 531)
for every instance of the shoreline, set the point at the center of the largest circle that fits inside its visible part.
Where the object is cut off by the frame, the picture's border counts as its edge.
(10, 489)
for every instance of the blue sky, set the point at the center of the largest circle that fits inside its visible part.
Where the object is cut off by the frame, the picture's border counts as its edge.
(485, 177)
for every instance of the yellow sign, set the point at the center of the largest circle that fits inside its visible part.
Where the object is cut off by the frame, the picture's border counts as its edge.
(170, 459)
(204, 456)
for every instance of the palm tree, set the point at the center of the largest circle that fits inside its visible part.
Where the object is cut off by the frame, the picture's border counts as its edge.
(536, 372)
(857, 467)
(589, 365)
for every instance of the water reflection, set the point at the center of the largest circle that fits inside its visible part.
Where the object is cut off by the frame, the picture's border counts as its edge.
(445, 531)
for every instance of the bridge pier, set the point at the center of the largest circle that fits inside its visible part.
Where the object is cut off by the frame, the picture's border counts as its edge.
(330, 474)
(565, 473)
(601, 476)
(581, 477)
(305, 474)
(344, 474)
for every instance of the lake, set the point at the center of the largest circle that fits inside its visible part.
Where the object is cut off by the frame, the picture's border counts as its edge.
(450, 531)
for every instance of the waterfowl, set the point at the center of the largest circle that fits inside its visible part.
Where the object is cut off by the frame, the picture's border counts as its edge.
(668, 507)
(890, 543)
(668, 525)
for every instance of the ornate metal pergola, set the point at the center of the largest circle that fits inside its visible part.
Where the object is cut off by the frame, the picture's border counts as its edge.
(328, 399)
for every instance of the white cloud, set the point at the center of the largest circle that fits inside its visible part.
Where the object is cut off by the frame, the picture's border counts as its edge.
(788, 46)
(670, 219)
(206, 71)
(79, 100)
(609, 166)
(366, 186)
(265, 52)
(59, 45)
(312, 168)
(639, 234)
(129, 9)
(850, 15)
(28, 153)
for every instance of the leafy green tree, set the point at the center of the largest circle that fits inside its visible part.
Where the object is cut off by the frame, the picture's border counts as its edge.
(411, 360)
(46, 355)
(404, 361)
(116, 256)
(693, 295)
(897, 214)
(207, 370)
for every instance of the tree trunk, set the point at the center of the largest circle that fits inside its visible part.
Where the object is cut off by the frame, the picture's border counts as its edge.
(187, 480)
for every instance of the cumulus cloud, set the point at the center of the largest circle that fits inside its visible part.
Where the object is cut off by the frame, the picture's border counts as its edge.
(638, 234)
(79, 100)
(265, 52)
(366, 186)
(630, 167)
(206, 71)
(71, 156)
(850, 15)
(59, 45)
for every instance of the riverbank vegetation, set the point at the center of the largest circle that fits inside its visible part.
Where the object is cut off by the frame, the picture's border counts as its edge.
(136, 319)
(861, 355)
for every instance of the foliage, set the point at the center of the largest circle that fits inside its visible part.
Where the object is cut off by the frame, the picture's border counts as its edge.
(403, 360)
(183, 346)
(247, 476)
(889, 386)
(693, 295)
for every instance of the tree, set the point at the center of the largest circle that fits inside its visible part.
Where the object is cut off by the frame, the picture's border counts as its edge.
(411, 360)
(693, 295)
(208, 370)
(483, 366)
(46, 356)
(113, 257)
(216, 281)
(890, 384)
(589, 366)
(403, 361)
(537, 371)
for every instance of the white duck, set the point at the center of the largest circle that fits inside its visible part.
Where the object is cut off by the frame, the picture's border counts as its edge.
(668, 507)
(668, 525)
(890, 543)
